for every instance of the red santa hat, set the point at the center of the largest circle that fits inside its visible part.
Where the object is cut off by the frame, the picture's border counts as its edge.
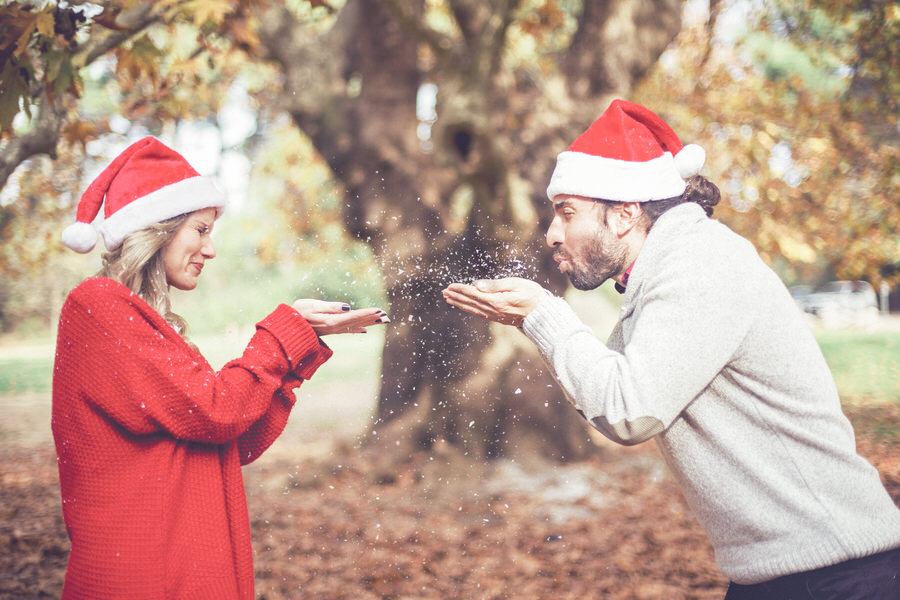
(147, 183)
(629, 154)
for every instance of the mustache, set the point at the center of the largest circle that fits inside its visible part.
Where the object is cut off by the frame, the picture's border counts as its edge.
(561, 254)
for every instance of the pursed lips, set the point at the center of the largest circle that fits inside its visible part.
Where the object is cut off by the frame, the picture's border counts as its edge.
(563, 261)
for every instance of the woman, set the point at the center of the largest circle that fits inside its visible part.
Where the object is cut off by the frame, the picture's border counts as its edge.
(150, 439)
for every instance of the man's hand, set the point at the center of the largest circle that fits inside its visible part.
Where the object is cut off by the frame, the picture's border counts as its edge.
(506, 301)
(336, 317)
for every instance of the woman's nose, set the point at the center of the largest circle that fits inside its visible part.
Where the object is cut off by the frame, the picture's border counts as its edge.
(209, 249)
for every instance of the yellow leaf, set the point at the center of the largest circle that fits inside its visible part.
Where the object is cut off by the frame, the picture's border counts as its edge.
(25, 37)
(46, 26)
(817, 145)
(765, 140)
(796, 250)
(210, 10)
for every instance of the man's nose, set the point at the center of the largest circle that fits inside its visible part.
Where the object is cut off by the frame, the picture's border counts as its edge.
(555, 233)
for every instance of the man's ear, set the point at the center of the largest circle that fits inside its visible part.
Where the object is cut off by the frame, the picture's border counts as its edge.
(627, 217)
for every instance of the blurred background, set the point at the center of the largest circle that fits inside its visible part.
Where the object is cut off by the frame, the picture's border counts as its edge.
(373, 151)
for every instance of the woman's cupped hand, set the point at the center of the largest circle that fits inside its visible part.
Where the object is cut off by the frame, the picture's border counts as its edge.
(337, 317)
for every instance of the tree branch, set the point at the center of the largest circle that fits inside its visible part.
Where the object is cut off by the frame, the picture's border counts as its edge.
(715, 8)
(469, 15)
(311, 64)
(616, 42)
(40, 140)
(44, 136)
(128, 23)
(407, 16)
(493, 36)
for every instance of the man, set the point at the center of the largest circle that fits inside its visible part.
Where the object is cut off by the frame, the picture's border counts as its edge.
(711, 358)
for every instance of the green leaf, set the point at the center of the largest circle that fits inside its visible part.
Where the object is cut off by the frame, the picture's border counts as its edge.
(12, 92)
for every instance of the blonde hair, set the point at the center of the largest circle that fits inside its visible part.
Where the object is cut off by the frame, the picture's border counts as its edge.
(138, 265)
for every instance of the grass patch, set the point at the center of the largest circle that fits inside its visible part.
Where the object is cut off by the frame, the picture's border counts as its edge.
(20, 375)
(865, 365)
(356, 356)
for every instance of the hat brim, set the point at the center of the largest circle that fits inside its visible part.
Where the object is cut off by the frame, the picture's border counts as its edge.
(182, 197)
(591, 176)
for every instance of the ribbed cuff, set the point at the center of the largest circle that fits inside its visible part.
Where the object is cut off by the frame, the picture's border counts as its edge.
(302, 347)
(551, 321)
(310, 363)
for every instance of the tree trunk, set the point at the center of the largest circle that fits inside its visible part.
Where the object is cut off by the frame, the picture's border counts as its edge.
(466, 207)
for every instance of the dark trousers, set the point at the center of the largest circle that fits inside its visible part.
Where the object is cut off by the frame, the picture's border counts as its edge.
(875, 577)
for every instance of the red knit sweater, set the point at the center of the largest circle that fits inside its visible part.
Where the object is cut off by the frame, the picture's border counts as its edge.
(150, 441)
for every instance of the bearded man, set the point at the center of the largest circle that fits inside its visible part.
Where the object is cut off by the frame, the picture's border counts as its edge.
(710, 358)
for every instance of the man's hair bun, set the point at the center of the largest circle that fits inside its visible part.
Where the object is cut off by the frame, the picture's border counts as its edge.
(702, 191)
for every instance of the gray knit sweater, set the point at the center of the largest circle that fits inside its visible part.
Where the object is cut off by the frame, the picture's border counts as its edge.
(712, 359)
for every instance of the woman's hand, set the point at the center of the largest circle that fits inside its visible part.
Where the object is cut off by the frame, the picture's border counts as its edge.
(506, 301)
(336, 317)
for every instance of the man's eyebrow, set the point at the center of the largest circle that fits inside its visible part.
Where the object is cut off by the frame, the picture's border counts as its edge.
(561, 204)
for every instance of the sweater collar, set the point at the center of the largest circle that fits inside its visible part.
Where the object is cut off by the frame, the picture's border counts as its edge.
(620, 287)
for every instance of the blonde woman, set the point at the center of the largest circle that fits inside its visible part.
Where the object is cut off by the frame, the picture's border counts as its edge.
(150, 439)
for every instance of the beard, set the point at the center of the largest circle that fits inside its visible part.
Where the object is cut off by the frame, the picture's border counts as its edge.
(603, 257)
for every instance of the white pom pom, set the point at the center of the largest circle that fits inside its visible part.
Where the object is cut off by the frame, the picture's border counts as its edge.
(80, 237)
(690, 160)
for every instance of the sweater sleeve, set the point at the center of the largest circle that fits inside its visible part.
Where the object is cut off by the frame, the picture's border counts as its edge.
(690, 324)
(263, 432)
(123, 359)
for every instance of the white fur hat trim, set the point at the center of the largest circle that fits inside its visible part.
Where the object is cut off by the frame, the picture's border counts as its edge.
(80, 237)
(689, 160)
(182, 197)
(593, 176)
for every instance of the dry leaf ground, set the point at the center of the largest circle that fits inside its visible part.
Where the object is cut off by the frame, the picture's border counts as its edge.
(613, 527)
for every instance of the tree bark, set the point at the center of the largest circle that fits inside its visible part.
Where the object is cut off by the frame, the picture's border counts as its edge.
(467, 207)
